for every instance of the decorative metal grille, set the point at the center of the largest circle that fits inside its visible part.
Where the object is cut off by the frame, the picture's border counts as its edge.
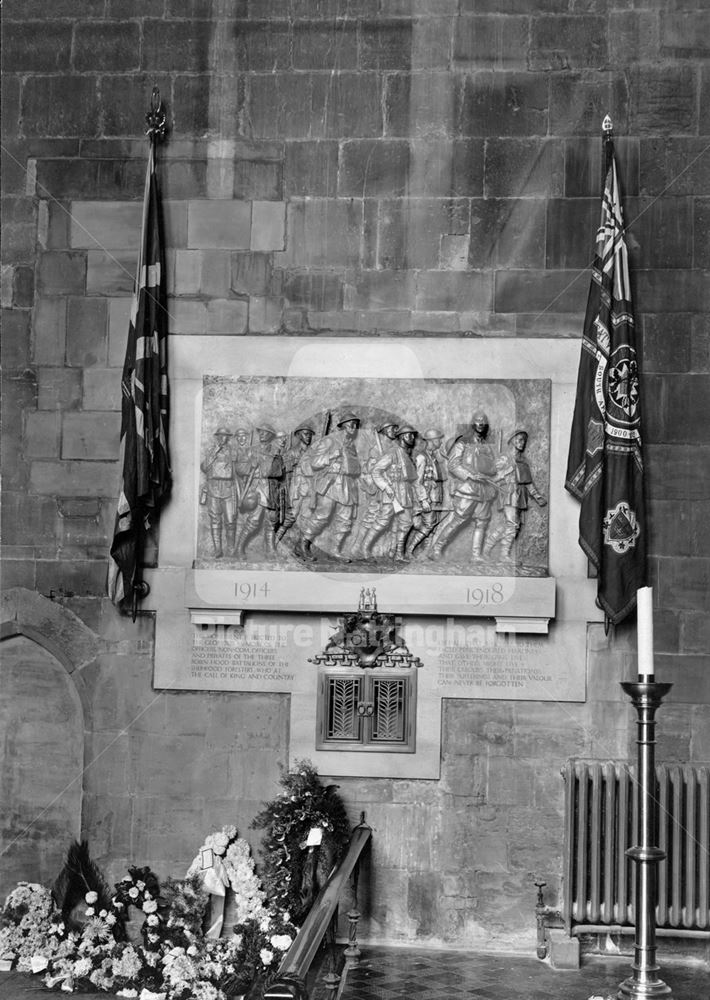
(389, 722)
(343, 695)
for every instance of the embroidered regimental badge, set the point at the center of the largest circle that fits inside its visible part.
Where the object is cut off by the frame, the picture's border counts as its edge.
(621, 529)
(624, 383)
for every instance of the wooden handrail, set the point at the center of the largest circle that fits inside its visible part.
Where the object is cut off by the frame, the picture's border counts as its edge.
(298, 959)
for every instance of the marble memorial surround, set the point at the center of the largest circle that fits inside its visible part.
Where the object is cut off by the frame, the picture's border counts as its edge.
(486, 629)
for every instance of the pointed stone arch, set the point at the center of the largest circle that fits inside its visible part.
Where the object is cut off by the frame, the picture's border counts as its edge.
(43, 647)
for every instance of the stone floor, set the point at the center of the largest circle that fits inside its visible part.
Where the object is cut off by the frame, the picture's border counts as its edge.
(403, 974)
(389, 974)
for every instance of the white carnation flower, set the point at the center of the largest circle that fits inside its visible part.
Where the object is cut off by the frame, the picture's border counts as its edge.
(91, 898)
(220, 842)
(266, 956)
(82, 967)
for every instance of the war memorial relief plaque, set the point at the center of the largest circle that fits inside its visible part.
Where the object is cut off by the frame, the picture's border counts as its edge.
(436, 488)
(350, 474)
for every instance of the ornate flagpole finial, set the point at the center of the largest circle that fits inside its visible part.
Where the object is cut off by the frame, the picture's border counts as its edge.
(607, 143)
(156, 118)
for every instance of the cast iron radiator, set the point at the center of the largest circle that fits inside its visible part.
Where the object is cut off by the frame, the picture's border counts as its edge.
(601, 809)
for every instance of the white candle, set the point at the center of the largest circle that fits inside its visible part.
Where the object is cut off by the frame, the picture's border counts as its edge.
(644, 631)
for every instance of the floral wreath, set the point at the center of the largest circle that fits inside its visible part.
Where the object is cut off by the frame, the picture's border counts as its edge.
(140, 888)
(292, 872)
(225, 861)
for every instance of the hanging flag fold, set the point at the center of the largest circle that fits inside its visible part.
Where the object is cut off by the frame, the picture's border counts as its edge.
(145, 463)
(605, 461)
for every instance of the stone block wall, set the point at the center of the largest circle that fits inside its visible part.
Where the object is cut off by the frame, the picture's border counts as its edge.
(347, 168)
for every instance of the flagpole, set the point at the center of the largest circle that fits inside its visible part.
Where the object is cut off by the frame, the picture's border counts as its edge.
(140, 587)
(156, 123)
(155, 119)
(145, 465)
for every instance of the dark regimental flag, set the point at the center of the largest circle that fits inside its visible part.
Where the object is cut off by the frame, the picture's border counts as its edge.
(145, 477)
(605, 463)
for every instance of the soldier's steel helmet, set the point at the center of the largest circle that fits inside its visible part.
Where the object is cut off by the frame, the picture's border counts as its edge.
(480, 417)
(347, 417)
(224, 431)
(304, 427)
(266, 427)
(432, 435)
(515, 434)
(387, 423)
(407, 429)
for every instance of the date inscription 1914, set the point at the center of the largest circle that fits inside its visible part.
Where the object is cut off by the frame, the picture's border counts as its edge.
(246, 590)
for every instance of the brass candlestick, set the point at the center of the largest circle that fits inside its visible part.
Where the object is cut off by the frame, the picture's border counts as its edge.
(645, 696)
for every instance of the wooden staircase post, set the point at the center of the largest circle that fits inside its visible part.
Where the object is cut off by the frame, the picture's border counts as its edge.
(352, 952)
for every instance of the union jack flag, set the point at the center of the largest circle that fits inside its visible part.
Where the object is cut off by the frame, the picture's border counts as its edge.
(605, 461)
(145, 477)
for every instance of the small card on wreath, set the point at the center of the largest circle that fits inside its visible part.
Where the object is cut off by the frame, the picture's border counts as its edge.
(206, 858)
(315, 836)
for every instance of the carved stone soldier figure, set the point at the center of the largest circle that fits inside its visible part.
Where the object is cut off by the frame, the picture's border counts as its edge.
(297, 477)
(517, 488)
(385, 442)
(266, 466)
(243, 461)
(429, 488)
(334, 495)
(394, 475)
(278, 487)
(221, 490)
(472, 468)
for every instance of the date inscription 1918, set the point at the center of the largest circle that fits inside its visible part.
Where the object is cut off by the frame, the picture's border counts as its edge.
(479, 597)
